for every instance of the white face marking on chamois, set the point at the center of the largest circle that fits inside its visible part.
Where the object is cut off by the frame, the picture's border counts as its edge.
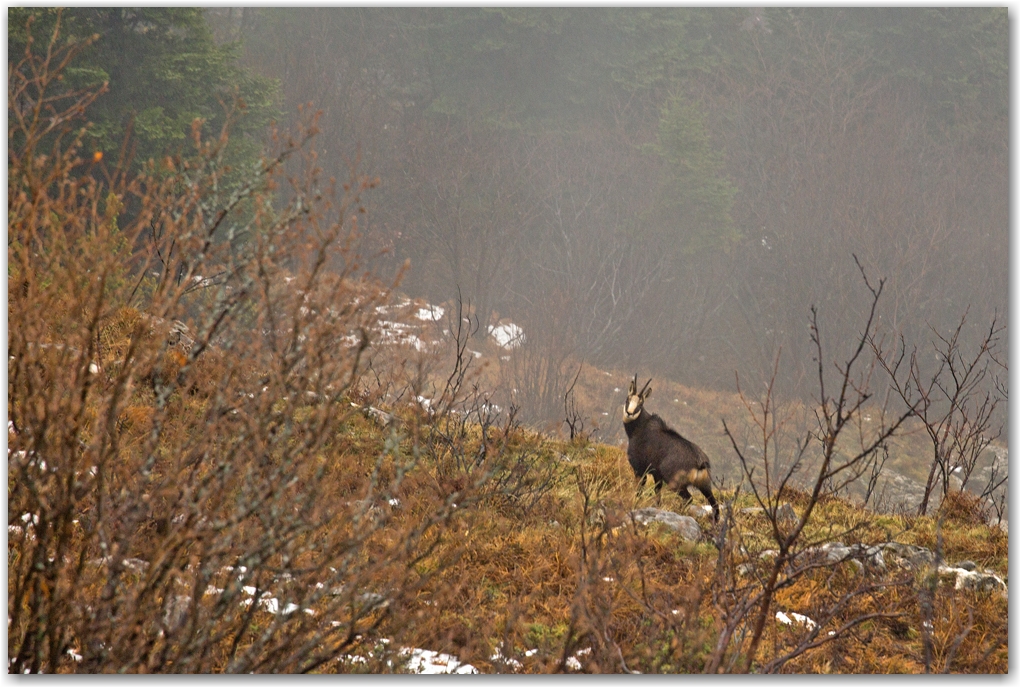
(635, 400)
(632, 408)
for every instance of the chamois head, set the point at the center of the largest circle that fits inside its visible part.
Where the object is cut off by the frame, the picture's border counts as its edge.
(635, 400)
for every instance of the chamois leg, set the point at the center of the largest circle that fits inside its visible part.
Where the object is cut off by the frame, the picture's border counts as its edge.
(658, 491)
(707, 491)
(686, 496)
(641, 484)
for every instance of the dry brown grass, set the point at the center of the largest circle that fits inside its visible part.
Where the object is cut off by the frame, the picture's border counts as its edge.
(239, 504)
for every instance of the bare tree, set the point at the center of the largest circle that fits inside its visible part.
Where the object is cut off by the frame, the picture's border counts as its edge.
(956, 405)
(833, 159)
(748, 607)
(471, 214)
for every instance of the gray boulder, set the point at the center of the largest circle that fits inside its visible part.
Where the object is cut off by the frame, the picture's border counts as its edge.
(973, 580)
(907, 555)
(785, 515)
(700, 510)
(684, 525)
(861, 556)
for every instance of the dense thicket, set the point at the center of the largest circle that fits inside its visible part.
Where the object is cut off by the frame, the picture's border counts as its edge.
(668, 188)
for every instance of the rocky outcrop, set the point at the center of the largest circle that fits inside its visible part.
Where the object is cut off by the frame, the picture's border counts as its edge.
(684, 525)
(909, 556)
(973, 580)
(880, 558)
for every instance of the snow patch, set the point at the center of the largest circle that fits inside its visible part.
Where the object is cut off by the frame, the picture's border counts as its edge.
(400, 333)
(432, 313)
(420, 661)
(573, 662)
(507, 335)
(271, 604)
(427, 662)
(498, 657)
(796, 618)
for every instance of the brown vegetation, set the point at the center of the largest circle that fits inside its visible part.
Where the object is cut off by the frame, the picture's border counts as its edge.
(264, 490)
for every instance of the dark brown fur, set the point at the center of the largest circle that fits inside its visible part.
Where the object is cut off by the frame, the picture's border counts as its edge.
(655, 449)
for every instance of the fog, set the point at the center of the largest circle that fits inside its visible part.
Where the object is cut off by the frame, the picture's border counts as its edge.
(669, 190)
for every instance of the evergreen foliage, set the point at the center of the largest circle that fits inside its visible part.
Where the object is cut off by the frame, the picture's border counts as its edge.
(696, 196)
(164, 71)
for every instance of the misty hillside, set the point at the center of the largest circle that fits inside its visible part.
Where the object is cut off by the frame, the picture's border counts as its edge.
(672, 188)
(593, 399)
(323, 325)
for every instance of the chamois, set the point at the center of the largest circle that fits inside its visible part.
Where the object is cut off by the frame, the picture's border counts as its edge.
(655, 449)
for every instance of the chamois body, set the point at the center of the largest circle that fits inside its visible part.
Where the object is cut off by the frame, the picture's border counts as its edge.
(655, 449)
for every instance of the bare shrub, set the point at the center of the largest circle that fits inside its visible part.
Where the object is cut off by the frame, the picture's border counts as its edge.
(747, 604)
(956, 404)
(573, 418)
(194, 487)
(536, 378)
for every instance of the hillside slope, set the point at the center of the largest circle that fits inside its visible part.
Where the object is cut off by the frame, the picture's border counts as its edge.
(449, 538)
(253, 457)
